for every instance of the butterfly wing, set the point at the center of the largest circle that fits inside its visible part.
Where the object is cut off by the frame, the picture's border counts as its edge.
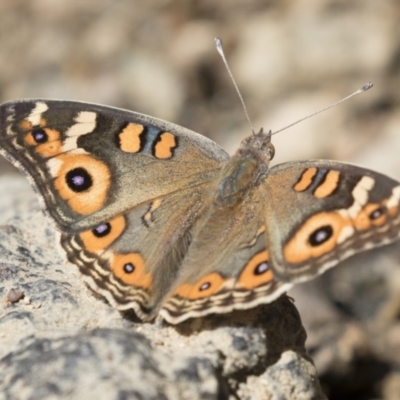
(321, 212)
(306, 217)
(133, 258)
(226, 266)
(90, 163)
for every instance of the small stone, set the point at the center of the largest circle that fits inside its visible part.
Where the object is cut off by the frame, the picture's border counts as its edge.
(15, 295)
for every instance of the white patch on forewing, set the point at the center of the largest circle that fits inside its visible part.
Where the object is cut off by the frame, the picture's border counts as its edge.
(360, 195)
(85, 123)
(9, 120)
(36, 114)
(394, 199)
(345, 234)
(54, 165)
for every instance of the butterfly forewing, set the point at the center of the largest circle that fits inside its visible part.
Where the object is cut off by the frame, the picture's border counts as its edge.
(91, 163)
(321, 212)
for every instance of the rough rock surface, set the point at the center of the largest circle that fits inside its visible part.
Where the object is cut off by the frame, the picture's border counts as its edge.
(58, 340)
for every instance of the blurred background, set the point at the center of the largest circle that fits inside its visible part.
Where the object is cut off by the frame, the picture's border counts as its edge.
(289, 58)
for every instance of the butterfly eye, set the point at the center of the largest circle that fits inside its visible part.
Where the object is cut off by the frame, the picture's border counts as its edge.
(129, 268)
(78, 180)
(376, 213)
(271, 150)
(205, 286)
(261, 268)
(40, 136)
(321, 235)
(102, 230)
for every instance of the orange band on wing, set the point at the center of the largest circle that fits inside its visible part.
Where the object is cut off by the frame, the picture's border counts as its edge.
(25, 125)
(305, 180)
(130, 269)
(165, 146)
(329, 185)
(205, 287)
(94, 196)
(129, 138)
(365, 218)
(52, 147)
(94, 241)
(256, 272)
(305, 244)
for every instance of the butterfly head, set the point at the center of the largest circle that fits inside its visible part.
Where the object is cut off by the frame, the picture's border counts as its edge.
(259, 146)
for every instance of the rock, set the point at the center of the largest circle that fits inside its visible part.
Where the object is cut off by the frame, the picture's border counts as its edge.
(66, 343)
(103, 363)
(14, 296)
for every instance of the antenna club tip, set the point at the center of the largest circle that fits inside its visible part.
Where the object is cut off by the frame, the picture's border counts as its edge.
(218, 43)
(366, 86)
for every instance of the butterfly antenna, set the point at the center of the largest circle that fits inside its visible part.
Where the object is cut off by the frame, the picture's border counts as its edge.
(363, 89)
(220, 49)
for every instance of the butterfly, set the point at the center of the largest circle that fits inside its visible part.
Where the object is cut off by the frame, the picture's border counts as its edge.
(161, 220)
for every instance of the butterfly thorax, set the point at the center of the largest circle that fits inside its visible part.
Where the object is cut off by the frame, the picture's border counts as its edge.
(245, 170)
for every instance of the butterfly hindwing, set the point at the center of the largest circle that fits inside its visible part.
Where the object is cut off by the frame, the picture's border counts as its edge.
(226, 266)
(133, 258)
